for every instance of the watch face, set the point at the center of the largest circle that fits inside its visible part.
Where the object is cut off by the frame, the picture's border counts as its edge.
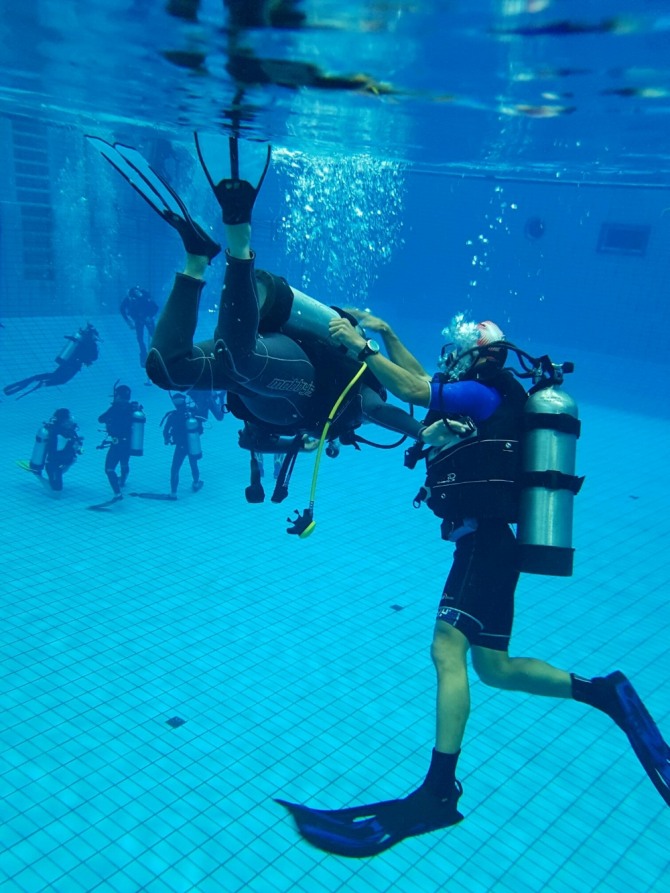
(372, 346)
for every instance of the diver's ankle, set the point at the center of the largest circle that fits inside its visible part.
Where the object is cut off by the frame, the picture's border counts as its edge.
(238, 240)
(196, 266)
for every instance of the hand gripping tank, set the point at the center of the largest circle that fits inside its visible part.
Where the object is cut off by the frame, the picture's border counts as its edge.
(549, 484)
(193, 437)
(137, 431)
(291, 312)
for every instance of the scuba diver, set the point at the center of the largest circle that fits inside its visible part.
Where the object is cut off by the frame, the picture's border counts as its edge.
(124, 421)
(81, 350)
(182, 427)
(57, 445)
(271, 349)
(138, 309)
(479, 482)
(206, 402)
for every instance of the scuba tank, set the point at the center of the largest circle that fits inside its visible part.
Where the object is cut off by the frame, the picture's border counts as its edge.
(309, 318)
(71, 344)
(193, 437)
(293, 313)
(545, 482)
(548, 480)
(39, 453)
(137, 431)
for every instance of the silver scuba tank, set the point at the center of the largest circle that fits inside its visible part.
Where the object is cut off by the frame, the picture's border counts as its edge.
(39, 453)
(310, 317)
(137, 432)
(549, 484)
(193, 437)
(71, 344)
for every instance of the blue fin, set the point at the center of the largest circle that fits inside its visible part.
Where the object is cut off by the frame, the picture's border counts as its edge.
(644, 735)
(370, 829)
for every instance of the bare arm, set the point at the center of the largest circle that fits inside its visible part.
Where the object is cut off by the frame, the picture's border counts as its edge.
(396, 350)
(411, 385)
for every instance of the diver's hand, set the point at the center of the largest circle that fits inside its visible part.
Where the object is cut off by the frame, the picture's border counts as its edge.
(438, 433)
(368, 321)
(342, 332)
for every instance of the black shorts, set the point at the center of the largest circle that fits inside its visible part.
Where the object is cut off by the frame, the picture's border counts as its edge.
(478, 597)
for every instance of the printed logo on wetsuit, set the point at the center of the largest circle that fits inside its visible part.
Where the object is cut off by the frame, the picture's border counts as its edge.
(298, 386)
(449, 615)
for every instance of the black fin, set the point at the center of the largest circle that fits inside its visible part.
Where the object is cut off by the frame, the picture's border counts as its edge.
(236, 197)
(104, 506)
(158, 194)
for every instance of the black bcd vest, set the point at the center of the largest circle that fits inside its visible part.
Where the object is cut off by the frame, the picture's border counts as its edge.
(479, 476)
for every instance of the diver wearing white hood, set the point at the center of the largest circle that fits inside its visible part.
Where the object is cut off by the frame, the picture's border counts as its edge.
(475, 425)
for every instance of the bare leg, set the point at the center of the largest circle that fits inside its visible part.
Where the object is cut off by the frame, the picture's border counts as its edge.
(449, 653)
(527, 674)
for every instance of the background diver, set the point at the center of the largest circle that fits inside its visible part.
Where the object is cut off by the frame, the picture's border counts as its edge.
(57, 445)
(139, 309)
(124, 422)
(182, 428)
(81, 350)
(271, 349)
(473, 483)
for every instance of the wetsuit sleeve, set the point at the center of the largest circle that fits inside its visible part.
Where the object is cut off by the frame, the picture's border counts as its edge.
(470, 398)
(124, 307)
(378, 411)
(105, 416)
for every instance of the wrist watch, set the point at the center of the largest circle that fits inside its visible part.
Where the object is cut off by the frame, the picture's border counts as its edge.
(371, 348)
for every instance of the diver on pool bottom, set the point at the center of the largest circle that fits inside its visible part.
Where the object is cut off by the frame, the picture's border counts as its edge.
(475, 425)
(182, 428)
(124, 422)
(57, 446)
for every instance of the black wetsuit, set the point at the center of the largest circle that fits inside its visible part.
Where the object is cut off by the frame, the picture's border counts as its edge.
(175, 432)
(118, 420)
(139, 309)
(474, 487)
(64, 444)
(85, 353)
(280, 382)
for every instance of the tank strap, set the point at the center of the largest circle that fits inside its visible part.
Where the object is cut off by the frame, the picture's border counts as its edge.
(346, 315)
(278, 303)
(552, 421)
(552, 480)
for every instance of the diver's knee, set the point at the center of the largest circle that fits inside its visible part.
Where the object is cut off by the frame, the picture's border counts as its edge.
(228, 363)
(449, 647)
(492, 667)
(157, 370)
